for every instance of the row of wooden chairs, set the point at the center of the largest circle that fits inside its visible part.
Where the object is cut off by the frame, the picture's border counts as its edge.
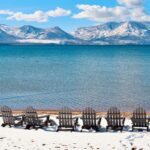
(66, 120)
(29, 117)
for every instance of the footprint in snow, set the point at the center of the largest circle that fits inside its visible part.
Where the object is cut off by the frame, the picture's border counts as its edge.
(1, 138)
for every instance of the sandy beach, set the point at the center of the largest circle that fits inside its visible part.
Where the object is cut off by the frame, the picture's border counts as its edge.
(74, 112)
(48, 139)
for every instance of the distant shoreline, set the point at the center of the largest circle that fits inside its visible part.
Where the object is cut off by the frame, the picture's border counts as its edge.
(74, 112)
(53, 44)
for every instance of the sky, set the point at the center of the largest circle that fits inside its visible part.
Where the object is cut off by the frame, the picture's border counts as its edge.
(71, 14)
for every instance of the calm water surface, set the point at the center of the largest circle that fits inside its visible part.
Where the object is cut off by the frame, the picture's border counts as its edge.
(75, 76)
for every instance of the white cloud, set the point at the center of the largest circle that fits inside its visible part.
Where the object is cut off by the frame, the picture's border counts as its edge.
(139, 15)
(125, 11)
(58, 12)
(131, 3)
(6, 12)
(37, 16)
(102, 13)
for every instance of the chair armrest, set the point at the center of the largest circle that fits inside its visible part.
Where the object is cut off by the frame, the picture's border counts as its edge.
(47, 119)
(44, 116)
(72, 117)
(98, 117)
(75, 117)
(121, 118)
(18, 116)
(80, 117)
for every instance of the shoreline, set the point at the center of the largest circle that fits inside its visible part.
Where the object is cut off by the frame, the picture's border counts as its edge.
(126, 114)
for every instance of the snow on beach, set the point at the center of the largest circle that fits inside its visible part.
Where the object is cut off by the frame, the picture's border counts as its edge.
(47, 139)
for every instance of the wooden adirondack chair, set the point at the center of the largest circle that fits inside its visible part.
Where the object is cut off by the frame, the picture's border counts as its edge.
(114, 119)
(9, 119)
(66, 121)
(33, 120)
(90, 120)
(139, 119)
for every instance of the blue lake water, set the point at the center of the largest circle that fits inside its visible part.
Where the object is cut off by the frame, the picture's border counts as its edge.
(75, 76)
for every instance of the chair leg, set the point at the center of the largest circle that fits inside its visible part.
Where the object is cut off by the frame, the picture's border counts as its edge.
(57, 129)
(21, 123)
(28, 126)
(72, 129)
(36, 128)
(147, 128)
(96, 128)
(107, 128)
(3, 124)
(47, 121)
(121, 129)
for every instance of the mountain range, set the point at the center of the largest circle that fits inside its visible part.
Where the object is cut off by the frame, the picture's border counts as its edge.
(110, 33)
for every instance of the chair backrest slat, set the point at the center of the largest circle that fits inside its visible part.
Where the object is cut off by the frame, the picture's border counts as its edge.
(114, 117)
(31, 116)
(65, 117)
(89, 117)
(7, 115)
(139, 117)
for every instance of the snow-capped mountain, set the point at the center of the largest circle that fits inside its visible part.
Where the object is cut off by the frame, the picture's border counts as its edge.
(108, 33)
(116, 33)
(31, 34)
(6, 38)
